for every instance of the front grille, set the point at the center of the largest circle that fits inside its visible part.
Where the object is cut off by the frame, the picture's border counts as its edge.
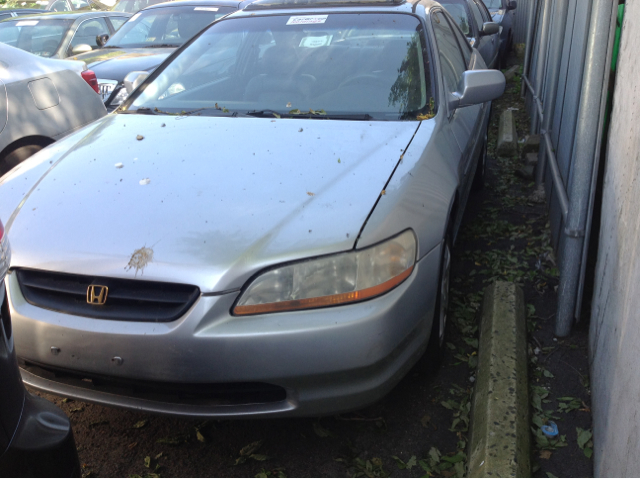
(126, 299)
(106, 88)
(198, 394)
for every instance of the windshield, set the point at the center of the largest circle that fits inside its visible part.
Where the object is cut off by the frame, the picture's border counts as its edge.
(165, 27)
(360, 66)
(458, 11)
(40, 37)
(493, 4)
(39, 4)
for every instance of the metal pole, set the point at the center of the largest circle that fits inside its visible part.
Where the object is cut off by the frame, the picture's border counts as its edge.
(529, 45)
(556, 42)
(585, 143)
(542, 59)
(596, 160)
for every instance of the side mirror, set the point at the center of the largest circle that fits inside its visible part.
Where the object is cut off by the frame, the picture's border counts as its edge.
(102, 39)
(490, 28)
(512, 5)
(476, 87)
(81, 48)
(133, 79)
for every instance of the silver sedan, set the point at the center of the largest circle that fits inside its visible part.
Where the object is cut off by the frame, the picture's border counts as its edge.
(263, 228)
(41, 100)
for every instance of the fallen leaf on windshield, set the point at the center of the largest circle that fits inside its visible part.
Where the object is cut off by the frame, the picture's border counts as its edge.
(295, 111)
(384, 192)
(300, 130)
(119, 165)
(310, 194)
(289, 105)
(426, 116)
(139, 137)
(145, 181)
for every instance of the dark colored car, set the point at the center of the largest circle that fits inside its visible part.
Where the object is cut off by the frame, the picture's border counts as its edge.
(503, 13)
(133, 6)
(17, 12)
(35, 436)
(60, 35)
(475, 22)
(149, 37)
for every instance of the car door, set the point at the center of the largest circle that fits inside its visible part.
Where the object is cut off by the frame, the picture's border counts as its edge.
(465, 122)
(488, 45)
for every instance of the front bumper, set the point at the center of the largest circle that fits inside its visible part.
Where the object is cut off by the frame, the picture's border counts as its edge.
(327, 360)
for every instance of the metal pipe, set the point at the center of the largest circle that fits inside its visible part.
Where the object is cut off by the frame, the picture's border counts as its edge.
(556, 39)
(556, 177)
(529, 45)
(536, 101)
(585, 143)
(542, 59)
(596, 159)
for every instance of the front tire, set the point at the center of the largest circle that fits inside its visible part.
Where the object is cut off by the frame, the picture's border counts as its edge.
(478, 179)
(435, 349)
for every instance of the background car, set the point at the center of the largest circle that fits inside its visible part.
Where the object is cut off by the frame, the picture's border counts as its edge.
(503, 13)
(475, 22)
(133, 6)
(17, 12)
(60, 35)
(41, 100)
(264, 227)
(61, 5)
(147, 39)
(36, 439)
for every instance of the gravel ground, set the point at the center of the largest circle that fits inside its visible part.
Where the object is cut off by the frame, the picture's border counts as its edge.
(420, 428)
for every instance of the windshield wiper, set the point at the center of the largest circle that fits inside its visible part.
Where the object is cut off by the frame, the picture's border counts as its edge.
(111, 46)
(162, 45)
(309, 115)
(267, 113)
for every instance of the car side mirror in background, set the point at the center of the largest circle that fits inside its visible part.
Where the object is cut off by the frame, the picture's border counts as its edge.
(490, 28)
(102, 39)
(81, 48)
(133, 79)
(476, 87)
(512, 5)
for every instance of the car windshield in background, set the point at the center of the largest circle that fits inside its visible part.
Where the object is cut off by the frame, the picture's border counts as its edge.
(165, 27)
(493, 4)
(40, 37)
(40, 5)
(133, 6)
(347, 66)
(459, 13)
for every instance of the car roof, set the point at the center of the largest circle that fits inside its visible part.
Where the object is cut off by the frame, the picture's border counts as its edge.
(196, 3)
(383, 5)
(66, 15)
(21, 10)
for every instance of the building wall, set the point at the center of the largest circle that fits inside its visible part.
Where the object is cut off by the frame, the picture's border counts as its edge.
(615, 320)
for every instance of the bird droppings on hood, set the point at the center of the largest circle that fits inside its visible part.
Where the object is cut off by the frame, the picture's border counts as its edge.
(139, 137)
(310, 194)
(145, 181)
(300, 130)
(163, 125)
(139, 260)
(119, 165)
(339, 160)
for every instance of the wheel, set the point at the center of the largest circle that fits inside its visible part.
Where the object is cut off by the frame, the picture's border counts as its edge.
(17, 156)
(435, 349)
(478, 179)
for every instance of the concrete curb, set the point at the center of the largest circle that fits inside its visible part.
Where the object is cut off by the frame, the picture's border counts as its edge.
(507, 135)
(499, 443)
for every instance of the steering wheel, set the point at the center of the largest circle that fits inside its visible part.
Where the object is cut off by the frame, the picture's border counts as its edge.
(363, 79)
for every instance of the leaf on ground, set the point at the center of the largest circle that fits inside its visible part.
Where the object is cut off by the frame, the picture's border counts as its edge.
(200, 437)
(321, 431)
(546, 454)
(140, 424)
(147, 462)
(583, 437)
(259, 457)
(548, 374)
(251, 448)
(99, 422)
(454, 459)
(434, 456)
(550, 475)
(426, 420)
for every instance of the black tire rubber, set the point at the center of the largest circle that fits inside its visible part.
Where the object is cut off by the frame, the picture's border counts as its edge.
(478, 179)
(17, 156)
(435, 349)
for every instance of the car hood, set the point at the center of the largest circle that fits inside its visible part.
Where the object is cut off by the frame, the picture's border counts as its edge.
(115, 64)
(211, 200)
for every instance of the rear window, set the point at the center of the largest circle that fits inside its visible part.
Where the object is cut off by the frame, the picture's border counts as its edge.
(342, 65)
(40, 37)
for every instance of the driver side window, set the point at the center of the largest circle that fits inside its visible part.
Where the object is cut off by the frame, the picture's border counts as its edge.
(452, 62)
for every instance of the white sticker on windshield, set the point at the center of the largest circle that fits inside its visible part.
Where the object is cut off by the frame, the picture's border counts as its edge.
(27, 23)
(207, 9)
(134, 18)
(315, 42)
(307, 19)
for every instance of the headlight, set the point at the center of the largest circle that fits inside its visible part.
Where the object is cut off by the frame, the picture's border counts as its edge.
(120, 97)
(331, 280)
